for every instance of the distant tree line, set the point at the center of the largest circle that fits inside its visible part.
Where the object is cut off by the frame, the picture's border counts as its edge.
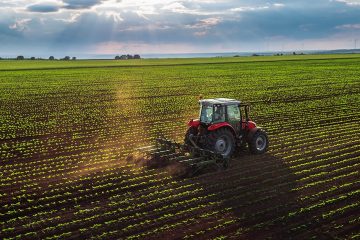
(127, 57)
(294, 53)
(52, 58)
(276, 54)
(68, 58)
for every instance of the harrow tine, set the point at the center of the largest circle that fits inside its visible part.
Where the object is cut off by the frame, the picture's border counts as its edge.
(191, 160)
(173, 155)
(178, 159)
(168, 143)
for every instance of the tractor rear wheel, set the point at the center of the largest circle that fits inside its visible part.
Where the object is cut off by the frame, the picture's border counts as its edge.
(221, 141)
(259, 142)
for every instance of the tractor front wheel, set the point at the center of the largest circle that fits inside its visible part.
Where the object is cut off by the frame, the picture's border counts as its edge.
(259, 142)
(221, 141)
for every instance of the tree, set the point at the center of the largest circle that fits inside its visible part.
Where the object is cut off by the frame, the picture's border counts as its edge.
(73, 58)
(129, 56)
(51, 58)
(117, 57)
(67, 58)
(124, 57)
(137, 56)
(20, 58)
(32, 58)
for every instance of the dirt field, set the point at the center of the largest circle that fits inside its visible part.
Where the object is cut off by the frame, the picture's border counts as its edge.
(65, 135)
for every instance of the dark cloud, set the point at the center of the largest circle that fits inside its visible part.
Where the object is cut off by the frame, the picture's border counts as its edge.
(67, 4)
(80, 4)
(43, 7)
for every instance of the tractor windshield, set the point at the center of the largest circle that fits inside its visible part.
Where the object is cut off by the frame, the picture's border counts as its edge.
(206, 113)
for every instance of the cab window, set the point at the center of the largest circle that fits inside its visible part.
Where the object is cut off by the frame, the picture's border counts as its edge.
(233, 113)
(219, 113)
(206, 113)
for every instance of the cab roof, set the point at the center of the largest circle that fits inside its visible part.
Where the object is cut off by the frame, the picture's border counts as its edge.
(222, 101)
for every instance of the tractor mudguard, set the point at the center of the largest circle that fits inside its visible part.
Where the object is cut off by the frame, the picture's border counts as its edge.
(194, 123)
(251, 125)
(248, 125)
(216, 126)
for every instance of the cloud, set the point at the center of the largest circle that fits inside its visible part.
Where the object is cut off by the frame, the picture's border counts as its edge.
(266, 6)
(50, 7)
(245, 9)
(20, 24)
(349, 27)
(179, 7)
(81, 4)
(205, 23)
(45, 7)
(279, 5)
(199, 8)
(350, 2)
(202, 24)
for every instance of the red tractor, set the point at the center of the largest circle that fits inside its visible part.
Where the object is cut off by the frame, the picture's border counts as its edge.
(224, 126)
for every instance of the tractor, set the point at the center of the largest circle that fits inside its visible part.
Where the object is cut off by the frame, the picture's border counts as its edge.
(224, 126)
(222, 129)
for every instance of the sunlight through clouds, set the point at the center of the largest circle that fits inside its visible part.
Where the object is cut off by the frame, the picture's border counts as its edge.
(206, 25)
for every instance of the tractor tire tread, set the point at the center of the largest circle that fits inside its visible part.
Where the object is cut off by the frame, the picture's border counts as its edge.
(252, 142)
(214, 135)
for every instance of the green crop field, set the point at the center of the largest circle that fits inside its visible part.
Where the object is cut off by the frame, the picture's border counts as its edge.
(67, 129)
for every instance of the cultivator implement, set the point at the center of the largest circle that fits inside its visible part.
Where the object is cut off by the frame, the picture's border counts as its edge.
(187, 158)
(223, 128)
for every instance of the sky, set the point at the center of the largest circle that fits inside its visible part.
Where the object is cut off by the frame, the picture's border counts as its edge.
(60, 27)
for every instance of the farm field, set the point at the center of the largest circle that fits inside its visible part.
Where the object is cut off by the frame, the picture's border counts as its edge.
(67, 128)
(56, 64)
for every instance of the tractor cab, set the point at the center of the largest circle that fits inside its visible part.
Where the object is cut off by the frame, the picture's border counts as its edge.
(224, 110)
(224, 124)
